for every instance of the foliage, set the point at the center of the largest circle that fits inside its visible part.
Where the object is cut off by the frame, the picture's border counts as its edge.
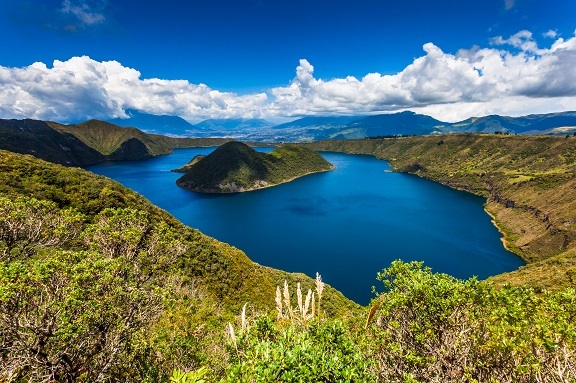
(269, 351)
(433, 327)
(179, 376)
(29, 225)
(97, 284)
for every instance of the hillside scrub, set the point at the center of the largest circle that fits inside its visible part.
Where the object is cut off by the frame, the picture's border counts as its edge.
(97, 284)
(426, 327)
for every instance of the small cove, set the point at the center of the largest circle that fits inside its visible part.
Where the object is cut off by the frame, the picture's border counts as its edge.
(347, 224)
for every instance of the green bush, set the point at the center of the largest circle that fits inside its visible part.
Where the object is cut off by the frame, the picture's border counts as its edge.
(433, 327)
(271, 351)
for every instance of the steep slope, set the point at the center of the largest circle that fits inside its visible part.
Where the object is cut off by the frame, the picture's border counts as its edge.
(222, 269)
(90, 142)
(236, 167)
(529, 184)
(107, 138)
(38, 138)
(96, 283)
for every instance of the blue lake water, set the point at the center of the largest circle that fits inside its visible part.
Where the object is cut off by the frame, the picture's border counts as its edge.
(347, 224)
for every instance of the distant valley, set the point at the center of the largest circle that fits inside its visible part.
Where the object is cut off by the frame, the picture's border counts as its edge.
(309, 129)
(143, 135)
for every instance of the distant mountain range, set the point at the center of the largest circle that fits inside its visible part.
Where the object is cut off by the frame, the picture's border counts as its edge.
(344, 127)
(95, 141)
(150, 123)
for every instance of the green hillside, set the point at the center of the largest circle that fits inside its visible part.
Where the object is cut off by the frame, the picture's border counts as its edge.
(90, 142)
(107, 138)
(39, 139)
(236, 167)
(97, 284)
(529, 183)
(80, 243)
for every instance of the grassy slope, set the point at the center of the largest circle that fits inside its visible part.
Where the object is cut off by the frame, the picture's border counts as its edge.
(228, 275)
(237, 164)
(38, 138)
(529, 183)
(107, 138)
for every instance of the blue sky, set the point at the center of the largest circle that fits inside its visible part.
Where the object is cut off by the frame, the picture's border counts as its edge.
(274, 59)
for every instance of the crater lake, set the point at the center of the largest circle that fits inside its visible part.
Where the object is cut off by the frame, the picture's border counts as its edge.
(347, 224)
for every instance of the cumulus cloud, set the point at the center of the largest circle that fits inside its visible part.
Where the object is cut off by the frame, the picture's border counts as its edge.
(472, 82)
(84, 88)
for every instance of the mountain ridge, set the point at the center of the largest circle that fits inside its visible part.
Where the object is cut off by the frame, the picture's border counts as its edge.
(90, 142)
(314, 128)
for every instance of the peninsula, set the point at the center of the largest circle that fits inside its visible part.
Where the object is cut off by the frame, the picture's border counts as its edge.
(236, 167)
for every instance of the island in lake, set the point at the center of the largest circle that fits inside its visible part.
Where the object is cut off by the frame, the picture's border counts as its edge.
(236, 167)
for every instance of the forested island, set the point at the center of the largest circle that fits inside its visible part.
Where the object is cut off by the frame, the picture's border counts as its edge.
(236, 167)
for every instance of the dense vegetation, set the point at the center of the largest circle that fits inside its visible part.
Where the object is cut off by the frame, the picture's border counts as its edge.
(97, 284)
(235, 167)
(426, 328)
(187, 167)
(529, 184)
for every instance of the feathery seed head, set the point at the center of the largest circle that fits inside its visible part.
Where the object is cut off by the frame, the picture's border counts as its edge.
(231, 333)
(299, 295)
(307, 304)
(243, 316)
(279, 302)
(286, 295)
(319, 286)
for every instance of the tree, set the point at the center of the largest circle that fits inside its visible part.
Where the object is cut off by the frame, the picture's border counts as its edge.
(81, 314)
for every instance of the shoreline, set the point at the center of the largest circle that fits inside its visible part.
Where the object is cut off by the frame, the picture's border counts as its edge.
(258, 188)
(505, 243)
(503, 239)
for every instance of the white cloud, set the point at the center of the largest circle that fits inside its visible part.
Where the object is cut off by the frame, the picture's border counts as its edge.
(552, 34)
(522, 40)
(84, 88)
(450, 87)
(88, 12)
(509, 4)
